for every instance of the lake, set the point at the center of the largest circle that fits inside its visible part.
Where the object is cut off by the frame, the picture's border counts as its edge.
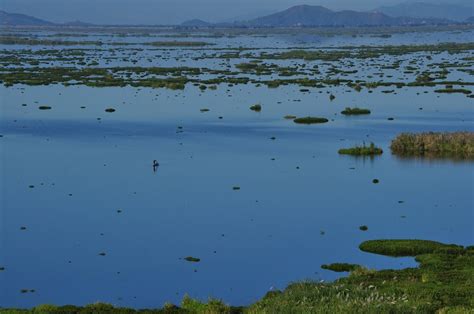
(260, 200)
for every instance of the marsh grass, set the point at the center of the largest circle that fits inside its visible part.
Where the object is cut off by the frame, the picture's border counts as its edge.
(363, 150)
(454, 145)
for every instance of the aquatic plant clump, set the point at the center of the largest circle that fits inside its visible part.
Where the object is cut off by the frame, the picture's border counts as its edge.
(340, 267)
(453, 91)
(355, 111)
(256, 107)
(363, 150)
(310, 120)
(180, 44)
(455, 145)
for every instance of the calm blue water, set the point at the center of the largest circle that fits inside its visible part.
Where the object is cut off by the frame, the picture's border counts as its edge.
(279, 227)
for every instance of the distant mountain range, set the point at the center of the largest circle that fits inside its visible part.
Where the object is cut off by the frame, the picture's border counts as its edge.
(318, 16)
(15, 19)
(418, 13)
(21, 20)
(428, 10)
(307, 15)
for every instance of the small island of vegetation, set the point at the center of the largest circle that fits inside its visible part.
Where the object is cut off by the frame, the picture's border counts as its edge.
(363, 150)
(355, 111)
(310, 120)
(432, 144)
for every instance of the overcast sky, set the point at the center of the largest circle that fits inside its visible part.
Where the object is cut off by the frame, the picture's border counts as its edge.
(174, 11)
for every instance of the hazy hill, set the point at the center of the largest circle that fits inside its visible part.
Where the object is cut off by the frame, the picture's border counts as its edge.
(15, 19)
(195, 23)
(428, 10)
(307, 15)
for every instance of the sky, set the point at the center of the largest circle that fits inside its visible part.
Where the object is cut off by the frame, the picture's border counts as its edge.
(174, 11)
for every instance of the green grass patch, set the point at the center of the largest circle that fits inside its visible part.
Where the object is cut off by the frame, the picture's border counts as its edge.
(399, 248)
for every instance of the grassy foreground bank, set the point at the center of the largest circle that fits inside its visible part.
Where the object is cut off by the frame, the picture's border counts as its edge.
(443, 283)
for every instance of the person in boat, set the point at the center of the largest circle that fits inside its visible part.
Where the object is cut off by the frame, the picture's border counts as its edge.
(155, 165)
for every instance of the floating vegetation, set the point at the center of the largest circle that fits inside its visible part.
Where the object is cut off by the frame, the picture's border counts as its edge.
(363, 150)
(44, 107)
(256, 107)
(310, 120)
(375, 181)
(192, 259)
(363, 228)
(355, 111)
(17, 40)
(289, 117)
(180, 44)
(110, 110)
(204, 110)
(432, 144)
(340, 267)
(236, 188)
(453, 91)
